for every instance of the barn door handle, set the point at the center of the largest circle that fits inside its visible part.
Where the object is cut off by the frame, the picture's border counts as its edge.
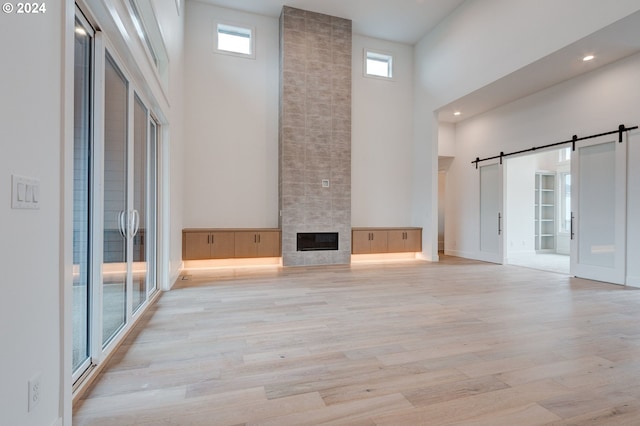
(571, 225)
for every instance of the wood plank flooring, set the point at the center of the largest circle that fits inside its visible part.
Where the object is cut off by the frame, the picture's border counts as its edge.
(407, 343)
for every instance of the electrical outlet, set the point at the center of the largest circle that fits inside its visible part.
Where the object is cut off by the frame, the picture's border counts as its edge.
(34, 391)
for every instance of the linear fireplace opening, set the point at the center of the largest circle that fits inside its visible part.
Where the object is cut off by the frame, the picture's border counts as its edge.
(316, 241)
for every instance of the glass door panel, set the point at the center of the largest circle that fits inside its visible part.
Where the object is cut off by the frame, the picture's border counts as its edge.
(152, 210)
(598, 248)
(491, 220)
(116, 217)
(81, 352)
(140, 193)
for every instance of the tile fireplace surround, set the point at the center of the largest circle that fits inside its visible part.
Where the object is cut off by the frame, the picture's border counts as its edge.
(315, 133)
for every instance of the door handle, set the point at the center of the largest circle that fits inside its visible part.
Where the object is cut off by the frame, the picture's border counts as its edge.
(135, 223)
(121, 224)
(571, 225)
(499, 224)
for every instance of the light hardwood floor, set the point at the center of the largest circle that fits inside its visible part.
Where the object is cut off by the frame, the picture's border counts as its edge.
(457, 342)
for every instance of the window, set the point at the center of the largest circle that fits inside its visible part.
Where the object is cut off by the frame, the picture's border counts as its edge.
(146, 24)
(235, 40)
(378, 64)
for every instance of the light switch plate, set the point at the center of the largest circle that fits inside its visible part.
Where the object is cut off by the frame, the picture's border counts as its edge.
(25, 193)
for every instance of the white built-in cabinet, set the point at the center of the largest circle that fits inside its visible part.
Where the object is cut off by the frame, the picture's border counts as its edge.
(545, 212)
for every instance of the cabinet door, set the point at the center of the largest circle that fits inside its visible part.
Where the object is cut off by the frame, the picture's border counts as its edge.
(246, 244)
(196, 246)
(396, 241)
(269, 244)
(413, 240)
(379, 242)
(222, 245)
(360, 242)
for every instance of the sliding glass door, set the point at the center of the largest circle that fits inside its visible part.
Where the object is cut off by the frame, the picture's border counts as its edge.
(115, 212)
(115, 199)
(144, 172)
(82, 145)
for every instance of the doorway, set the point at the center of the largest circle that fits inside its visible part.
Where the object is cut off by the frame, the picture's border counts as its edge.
(538, 206)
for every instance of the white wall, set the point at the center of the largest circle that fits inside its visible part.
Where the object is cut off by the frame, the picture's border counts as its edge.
(595, 102)
(479, 43)
(172, 26)
(382, 138)
(31, 118)
(231, 124)
(446, 139)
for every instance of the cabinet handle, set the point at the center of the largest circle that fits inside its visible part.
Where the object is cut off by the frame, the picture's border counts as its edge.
(372, 236)
(499, 224)
(208, 239)
(259, 238)
(255, 238)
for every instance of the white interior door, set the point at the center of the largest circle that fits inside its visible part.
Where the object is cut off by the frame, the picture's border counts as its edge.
(598, 204)
(491, 213)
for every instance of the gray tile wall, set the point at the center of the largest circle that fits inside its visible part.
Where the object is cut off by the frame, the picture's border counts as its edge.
(315, 133)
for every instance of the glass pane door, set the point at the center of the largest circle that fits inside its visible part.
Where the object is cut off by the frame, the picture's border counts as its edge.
(140, 193)
(81, 196)
(491, 220)
(152, 210)
(598, 246)
(116, 216)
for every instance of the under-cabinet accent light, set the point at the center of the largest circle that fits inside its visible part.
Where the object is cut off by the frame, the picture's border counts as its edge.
(81, 31)
(457, 113)
(588, 58)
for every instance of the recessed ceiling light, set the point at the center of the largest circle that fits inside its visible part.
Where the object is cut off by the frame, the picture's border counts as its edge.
(588, 58)
(457, 113)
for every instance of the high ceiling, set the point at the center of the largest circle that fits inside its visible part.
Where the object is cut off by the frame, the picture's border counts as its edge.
(405, 21)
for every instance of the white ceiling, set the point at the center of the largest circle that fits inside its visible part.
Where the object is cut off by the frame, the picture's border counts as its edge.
(405, 21)
(612, 43)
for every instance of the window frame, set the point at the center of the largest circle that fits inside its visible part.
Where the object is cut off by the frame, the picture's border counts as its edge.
(382, 54)
(242, 27)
